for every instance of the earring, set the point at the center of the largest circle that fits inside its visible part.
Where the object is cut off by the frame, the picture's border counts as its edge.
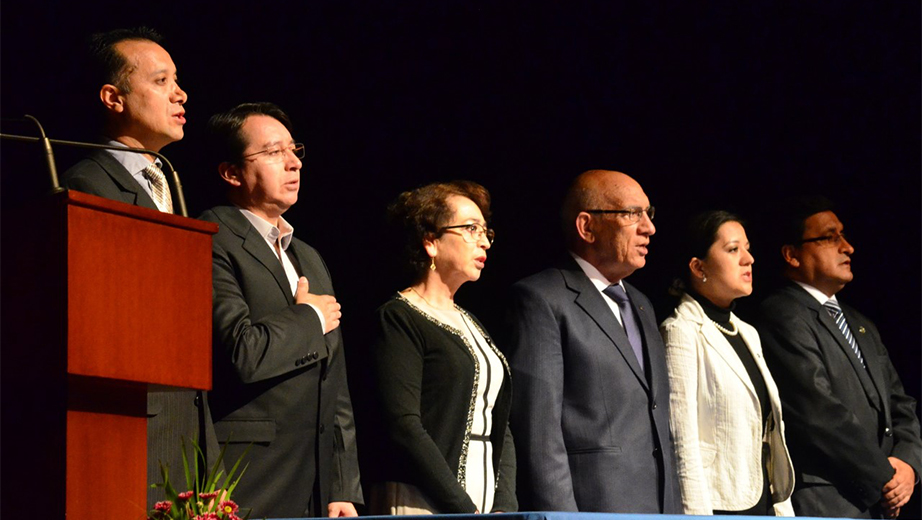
(704, 278)
(432, 265)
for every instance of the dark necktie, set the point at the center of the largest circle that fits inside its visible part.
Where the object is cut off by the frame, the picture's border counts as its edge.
(616, 293)
(836, 312)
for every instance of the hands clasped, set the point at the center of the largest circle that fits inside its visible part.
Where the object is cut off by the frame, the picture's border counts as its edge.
(327, 304)
(899, 489)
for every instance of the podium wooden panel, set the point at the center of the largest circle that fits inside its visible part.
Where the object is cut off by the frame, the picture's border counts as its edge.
(101, 300)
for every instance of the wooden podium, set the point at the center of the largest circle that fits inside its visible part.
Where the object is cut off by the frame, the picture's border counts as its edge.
(101, 301)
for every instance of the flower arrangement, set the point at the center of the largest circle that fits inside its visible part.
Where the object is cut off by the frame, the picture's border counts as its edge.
(208, 497)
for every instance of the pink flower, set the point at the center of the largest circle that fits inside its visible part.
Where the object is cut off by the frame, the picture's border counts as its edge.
(206, 496)
(163, 507)
(185, 495)
(229, 508)
(207, 516)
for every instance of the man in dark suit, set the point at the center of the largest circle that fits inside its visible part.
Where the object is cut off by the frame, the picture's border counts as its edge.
(591, 401)
(851, 429)
(280, 375)
(143, 109)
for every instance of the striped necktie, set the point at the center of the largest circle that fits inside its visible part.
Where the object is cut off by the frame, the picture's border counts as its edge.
(159, 188)
(836, 313)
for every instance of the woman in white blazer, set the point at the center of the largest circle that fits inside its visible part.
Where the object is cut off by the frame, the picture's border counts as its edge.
(725, 412)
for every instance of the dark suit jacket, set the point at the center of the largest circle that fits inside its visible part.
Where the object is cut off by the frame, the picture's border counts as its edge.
(843, 420)
(591, 429)
(172, 416)
(279, 382)
(100, 174)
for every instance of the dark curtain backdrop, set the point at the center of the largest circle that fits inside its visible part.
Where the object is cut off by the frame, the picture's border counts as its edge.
(718, 104)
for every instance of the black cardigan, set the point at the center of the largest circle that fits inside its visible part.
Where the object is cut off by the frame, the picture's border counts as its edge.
(425, 375)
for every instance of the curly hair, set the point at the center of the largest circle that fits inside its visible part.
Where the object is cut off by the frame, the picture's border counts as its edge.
(422, 213)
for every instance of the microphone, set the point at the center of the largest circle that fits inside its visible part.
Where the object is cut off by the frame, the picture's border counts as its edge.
(49, 155)
(46, 142)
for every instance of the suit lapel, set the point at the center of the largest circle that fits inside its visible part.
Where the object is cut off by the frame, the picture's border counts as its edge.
(256, 245)
(873, 371)
(723, 348)
(716, 341)
(123, 179)
(591, 301)
(826, 322)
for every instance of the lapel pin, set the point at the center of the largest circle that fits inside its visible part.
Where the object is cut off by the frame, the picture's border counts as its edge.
(860, 329)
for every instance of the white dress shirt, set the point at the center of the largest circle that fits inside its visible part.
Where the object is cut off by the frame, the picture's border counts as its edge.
(278, 239)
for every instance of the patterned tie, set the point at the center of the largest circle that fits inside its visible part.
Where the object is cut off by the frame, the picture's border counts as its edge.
(159, 188)
(836, 312)
(616, 293)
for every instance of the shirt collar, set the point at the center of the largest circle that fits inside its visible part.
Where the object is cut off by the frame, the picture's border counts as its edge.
(132, 161)
(269, 232)
(817, 294)
(595, 276)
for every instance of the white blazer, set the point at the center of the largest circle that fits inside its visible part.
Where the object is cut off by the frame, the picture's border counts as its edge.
(716, 419)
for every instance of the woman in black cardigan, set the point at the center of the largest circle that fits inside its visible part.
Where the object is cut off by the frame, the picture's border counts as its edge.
(444, 387)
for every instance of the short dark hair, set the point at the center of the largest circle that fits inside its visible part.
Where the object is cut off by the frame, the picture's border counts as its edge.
(700, 234)
(111, 67)
(794, 212)
(227, 143)
(423, 211)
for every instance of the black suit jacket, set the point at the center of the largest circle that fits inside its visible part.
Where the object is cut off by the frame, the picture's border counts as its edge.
(843, 420)
(279, 382)
(100, 174)
(175, 415)
(591, 428)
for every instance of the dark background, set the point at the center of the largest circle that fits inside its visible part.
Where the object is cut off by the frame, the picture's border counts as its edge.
(730, 105)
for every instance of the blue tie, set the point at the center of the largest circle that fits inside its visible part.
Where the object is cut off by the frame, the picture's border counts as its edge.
(617, 293)
(836, 312)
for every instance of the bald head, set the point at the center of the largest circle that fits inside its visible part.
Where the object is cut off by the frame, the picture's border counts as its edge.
(591, 190)
(615, 243)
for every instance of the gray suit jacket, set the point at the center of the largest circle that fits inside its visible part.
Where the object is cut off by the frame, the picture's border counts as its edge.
(843, 420)
(279, 382)
(172, 416)
(100, 174)
(591, 429)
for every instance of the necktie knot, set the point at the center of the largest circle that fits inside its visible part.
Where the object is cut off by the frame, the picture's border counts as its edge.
(832, 308)
(617, 293)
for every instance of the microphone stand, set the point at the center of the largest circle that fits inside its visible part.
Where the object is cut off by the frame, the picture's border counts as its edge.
(54, 176)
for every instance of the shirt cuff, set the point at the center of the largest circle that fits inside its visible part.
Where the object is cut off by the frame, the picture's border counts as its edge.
(323, 322)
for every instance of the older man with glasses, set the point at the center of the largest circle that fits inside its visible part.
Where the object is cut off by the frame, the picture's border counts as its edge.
(591, 403)
(280, 375)
(852, 431)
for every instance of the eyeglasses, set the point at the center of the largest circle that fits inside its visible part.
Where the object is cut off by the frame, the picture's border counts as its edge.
(833, 240)
(277, 153)
(633, 215)
(472, 233)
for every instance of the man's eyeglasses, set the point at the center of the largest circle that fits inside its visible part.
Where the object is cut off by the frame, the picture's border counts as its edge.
(833, 240)
(472, 233)
(633, 215)
(277, 153)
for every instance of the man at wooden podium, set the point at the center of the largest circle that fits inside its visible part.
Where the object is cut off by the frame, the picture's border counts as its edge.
(143, 108)
(279, 367)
